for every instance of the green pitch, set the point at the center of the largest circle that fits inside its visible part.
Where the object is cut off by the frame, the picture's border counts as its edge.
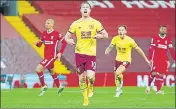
(103, 98)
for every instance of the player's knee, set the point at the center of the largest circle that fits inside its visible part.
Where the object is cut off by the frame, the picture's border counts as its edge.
(82, 79)
(51, 71)
(39, 68)
(118, 72)
(90, 74)
(154, 73)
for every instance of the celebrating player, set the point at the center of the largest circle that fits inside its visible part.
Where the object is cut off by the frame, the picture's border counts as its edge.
(124, 45)
(160, 45)
(87, 30)
(50, 38)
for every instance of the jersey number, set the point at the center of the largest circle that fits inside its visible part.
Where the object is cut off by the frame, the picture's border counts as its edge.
(93, 65)
(44, 61)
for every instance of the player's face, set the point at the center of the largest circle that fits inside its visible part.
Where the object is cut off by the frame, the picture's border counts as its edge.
(122, 31)
(49, 24)
(163, 30)
(85, 10)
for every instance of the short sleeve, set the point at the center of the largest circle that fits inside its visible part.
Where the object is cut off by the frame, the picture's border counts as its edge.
(72, 28)
(114, 40)
(133, 44)
(99, 27)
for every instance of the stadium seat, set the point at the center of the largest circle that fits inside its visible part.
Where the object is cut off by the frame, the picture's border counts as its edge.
(139, 21)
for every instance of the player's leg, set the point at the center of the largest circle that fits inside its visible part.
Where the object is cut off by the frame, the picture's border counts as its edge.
(159, 79)
(56, 80)
(119, 79)
(54, 75)
(80, 64)
(151, 78)
(91, 78)
(158, 82)
(83, 86)
(120, 67)
(39, 71)
(90, 72)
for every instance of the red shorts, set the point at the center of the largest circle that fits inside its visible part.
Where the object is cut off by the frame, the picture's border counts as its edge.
(118, 63)
(48, 63)
(161, 67)
(85, 62)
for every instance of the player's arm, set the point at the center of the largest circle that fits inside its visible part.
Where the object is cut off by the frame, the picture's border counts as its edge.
(101, 32)
(69, 33)
(64, 43)
(63, 46)
(68, 38)
(40, 42)
(171, 49)
(111, 46)
(140, 51)
(152, 49)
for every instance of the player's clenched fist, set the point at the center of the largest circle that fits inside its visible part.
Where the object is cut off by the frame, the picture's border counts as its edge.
(70, 41)
(35, 43)
(149, 62)
(107, 51)
(59, 56)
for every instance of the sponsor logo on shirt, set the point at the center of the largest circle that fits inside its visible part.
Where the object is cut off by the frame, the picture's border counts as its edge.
(162, 46)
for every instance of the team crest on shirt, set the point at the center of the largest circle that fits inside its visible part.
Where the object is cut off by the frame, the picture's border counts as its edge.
(166, 42)
(91, 26)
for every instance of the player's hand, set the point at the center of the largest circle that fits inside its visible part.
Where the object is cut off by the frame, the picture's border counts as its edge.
(59, 56)
(35, 43)
(107, 51)
(70, 41)
(174, 65)
(149, 62)
(98, 36)
(168, 64)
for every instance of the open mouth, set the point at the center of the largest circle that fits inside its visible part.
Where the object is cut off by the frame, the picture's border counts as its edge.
(85, 12)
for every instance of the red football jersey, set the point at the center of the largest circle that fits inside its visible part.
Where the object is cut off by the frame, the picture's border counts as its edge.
(160, 48)
(50, 40)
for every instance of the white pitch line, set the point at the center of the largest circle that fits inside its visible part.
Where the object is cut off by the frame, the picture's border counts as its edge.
(103, 92)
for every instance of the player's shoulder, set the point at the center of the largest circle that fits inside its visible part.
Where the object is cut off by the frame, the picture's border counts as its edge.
(129, 38)
(95, 20)
(168, 38)
(56, 32)
(43, 32)
(77, 21)
(116, 37)
(155, 37)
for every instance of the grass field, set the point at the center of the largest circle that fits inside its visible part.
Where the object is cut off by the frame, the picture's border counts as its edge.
(103, 98)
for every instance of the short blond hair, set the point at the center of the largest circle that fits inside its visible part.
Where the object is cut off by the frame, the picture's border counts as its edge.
(50, 20)
(123, 26)
(85, 3)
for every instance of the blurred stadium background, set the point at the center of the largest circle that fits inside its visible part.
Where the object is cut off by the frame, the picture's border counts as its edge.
(22, 22)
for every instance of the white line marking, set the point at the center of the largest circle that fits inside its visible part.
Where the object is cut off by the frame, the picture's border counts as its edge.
(80, 91)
